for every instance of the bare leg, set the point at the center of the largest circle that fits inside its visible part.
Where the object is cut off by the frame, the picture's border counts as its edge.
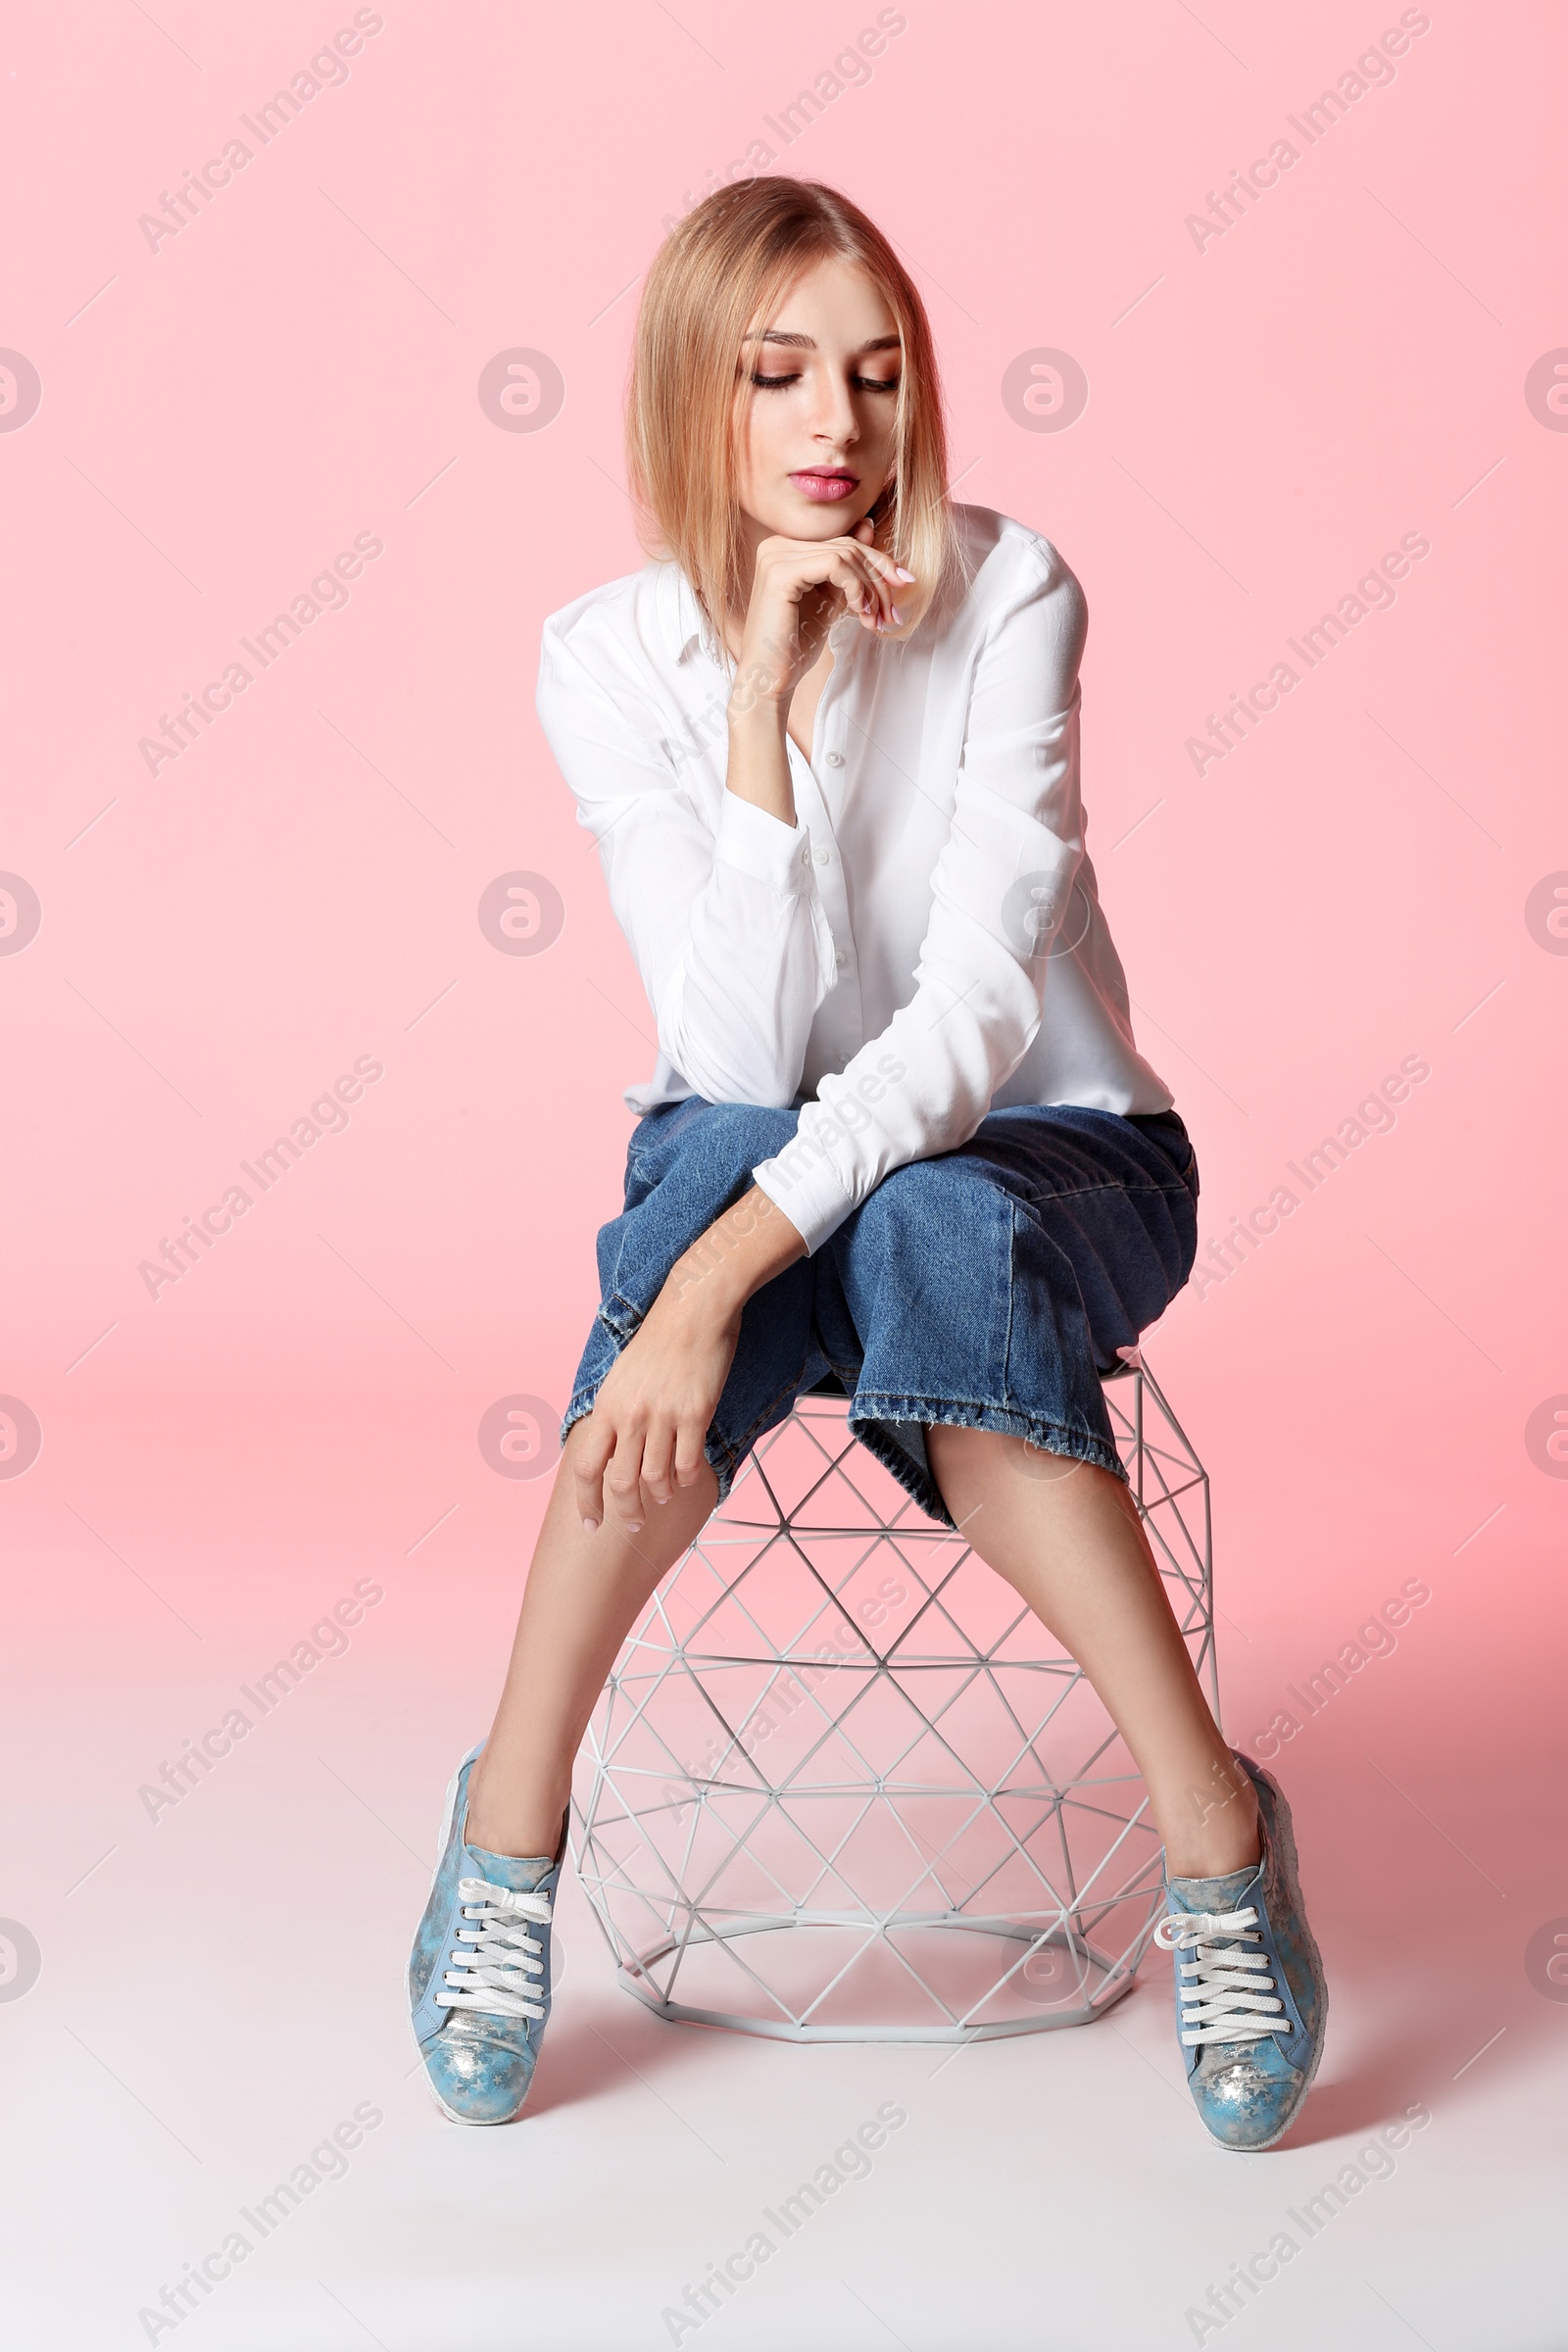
(1066, 1536)
(582, 1596)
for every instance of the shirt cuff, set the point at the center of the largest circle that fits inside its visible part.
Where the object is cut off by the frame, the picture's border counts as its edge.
(762, 845)
(810, 1193)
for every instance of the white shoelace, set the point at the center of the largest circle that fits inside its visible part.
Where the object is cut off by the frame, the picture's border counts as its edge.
(496, 1960)
(1227, 1991)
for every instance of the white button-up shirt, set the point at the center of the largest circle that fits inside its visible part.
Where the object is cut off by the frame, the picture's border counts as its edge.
(925, 944)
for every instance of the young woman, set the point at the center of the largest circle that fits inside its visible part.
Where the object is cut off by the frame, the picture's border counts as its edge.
(898, 1129)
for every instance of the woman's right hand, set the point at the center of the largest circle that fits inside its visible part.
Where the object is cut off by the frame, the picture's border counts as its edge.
(799, 588)
(646, 1433)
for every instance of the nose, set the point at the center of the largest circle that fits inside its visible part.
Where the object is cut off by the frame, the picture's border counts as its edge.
(834, 419)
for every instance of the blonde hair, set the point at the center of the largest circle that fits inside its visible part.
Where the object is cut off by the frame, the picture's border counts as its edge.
(723, 271)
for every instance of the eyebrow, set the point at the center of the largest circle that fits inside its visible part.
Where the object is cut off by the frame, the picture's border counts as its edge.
(805, 342)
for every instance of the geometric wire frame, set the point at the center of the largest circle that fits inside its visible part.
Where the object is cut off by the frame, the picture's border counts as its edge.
(842, 1786)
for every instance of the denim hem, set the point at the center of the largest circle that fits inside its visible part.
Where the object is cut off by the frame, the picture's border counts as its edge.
(727, 1459)
(1050, 1437)
(577, 1410)
(620, 1315)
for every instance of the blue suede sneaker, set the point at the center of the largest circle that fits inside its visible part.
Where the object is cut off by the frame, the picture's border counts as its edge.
(479, 1972)
(1251, 1998)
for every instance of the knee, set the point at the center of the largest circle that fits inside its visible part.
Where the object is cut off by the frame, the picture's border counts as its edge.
(744, 1134)
(936, 1201)
(712, 1146)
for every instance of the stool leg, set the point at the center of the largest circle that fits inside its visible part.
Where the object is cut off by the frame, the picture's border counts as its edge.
(1066, 1536)
(583, 1593)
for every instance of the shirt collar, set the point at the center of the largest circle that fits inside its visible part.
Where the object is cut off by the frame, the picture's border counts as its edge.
(680, 616)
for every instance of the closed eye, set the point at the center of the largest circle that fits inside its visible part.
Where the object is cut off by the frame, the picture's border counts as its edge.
(862, 383)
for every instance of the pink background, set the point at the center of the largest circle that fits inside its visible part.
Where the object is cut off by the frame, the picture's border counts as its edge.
(299, 365)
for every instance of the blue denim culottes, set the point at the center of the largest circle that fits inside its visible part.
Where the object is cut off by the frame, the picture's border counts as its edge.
(987, 1287)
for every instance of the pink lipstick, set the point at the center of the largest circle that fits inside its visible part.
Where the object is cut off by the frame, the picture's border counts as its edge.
(825, 484)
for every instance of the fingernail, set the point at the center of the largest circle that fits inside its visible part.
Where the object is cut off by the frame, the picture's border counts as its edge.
(660, 1498)
(898, 616)
(901, 573)
(634, 1527)
(590, 1525)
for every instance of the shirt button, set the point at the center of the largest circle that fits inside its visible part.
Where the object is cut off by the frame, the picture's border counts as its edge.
(835, 759)
(821, 857)
(841, 960)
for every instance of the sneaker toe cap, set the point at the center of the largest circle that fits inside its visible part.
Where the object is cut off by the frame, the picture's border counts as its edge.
(1247, 2094)
(478, 2078)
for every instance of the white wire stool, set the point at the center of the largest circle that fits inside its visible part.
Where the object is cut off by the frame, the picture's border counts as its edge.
(833, 1716)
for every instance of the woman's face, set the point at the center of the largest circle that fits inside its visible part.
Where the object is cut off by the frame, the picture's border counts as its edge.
(819, 388)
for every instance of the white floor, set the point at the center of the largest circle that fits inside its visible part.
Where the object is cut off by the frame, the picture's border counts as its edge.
(221, 1991)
